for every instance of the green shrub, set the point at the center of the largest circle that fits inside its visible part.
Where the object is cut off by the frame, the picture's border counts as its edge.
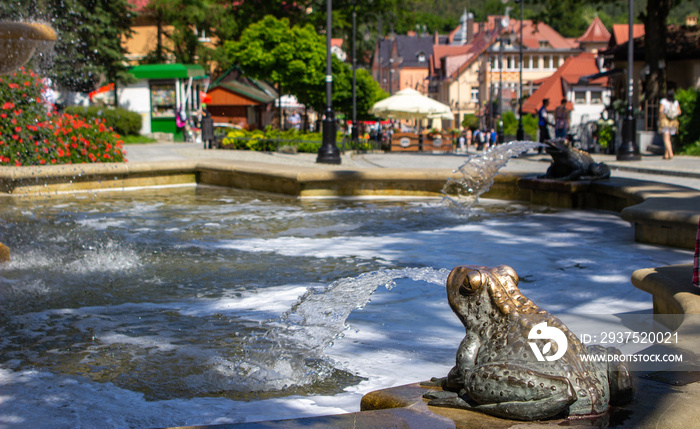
(121, 120)
(269, 139)
(688, 124)
(470, 121)
(692, 149)
(510, 125)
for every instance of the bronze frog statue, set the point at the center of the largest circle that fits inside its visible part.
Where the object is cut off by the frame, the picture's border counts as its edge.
(569, 163)
(519, 362)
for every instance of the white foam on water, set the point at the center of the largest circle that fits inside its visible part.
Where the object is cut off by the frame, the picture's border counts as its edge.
(391, 327)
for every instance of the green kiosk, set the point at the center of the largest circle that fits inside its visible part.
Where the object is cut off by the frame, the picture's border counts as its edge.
(162, 92)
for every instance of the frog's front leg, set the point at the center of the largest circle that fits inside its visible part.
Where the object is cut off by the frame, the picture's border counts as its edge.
(515, 392)
(466, 357)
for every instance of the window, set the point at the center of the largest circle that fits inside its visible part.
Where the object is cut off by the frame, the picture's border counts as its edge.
(596, 97)
(163, 100)
(579, 97)
(421, 57)
(475, 95)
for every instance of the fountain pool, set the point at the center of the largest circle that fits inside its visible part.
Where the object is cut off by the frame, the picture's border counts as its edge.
(209, 305)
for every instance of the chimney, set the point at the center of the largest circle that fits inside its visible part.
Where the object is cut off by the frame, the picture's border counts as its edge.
(470, 27)
(411, 33)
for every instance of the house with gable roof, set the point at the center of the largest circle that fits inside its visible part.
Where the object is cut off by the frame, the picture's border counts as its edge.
(587, 98)
(468, 77)
(402, 61)
(241, 101)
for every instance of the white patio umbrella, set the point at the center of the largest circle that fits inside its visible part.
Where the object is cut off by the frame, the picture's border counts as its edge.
(411, 104)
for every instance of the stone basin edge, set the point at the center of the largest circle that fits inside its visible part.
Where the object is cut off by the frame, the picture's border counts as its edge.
(660, 213)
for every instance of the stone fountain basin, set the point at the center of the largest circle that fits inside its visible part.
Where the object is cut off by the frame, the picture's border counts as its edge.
(661, 214)
(19, 41)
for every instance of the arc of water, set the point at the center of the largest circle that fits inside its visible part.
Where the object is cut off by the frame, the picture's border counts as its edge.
(478, 173)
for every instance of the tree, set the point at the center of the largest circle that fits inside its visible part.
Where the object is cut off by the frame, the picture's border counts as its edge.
(295, 58)
(88, 51)
(271, 50)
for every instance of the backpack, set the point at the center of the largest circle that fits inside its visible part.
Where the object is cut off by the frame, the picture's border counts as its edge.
(672, 111)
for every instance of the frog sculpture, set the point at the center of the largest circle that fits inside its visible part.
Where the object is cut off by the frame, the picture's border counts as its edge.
(519, 362)
(569, 163)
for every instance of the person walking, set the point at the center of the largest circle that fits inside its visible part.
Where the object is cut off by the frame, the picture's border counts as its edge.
(543, 123)
(669, 111)
(561, 120)
(207, 129)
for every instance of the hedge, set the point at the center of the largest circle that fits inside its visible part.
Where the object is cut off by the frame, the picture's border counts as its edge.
(122, 121)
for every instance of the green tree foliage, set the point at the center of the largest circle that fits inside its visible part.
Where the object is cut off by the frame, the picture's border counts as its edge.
(295, 58)
(88, 51)
(510, 125)
(189, 19)
(470, 121)
(689, 126)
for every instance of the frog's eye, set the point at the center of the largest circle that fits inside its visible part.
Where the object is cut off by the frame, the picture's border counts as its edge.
(472, 283)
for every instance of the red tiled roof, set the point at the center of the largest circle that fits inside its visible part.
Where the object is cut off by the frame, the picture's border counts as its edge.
(596, 33)
(569, 73)
(620, 33)
(139, 4)
(440, 51)
(533, 33)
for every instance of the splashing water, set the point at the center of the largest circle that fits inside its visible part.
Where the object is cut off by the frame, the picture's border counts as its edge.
(478, 173)
(300, 335)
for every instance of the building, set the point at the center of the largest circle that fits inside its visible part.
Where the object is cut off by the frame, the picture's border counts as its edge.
(483, 75)
(682, 65)
(595, 38)
(403, 62)
(575, 81)
(241, 101)
(161, 93)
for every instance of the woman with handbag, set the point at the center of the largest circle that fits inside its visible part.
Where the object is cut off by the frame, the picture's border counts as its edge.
(669, 111)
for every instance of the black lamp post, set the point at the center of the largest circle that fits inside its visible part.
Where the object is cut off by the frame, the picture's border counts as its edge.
(354, 75)
(628, 150)
(520, 134)
(329, 153)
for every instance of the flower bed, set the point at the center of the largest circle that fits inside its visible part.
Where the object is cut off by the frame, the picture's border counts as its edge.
(32, 134)
(270, 139)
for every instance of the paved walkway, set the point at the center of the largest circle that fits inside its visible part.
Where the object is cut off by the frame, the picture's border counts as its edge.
(681, 170)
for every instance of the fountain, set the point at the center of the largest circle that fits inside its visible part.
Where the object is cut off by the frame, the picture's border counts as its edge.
(164, 302)
(19, 41)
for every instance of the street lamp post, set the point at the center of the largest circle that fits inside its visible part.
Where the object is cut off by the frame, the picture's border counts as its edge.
(628, 150)
(520, 135)
(329, 153)
(354, 74)
(499, 117)
(391, 76)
